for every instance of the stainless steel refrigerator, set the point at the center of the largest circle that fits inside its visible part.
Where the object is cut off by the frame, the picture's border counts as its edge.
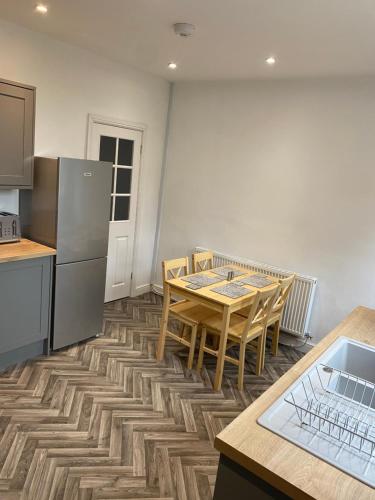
(68, 209)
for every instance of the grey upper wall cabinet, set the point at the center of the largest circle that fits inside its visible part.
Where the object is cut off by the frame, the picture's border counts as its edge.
(17, 119)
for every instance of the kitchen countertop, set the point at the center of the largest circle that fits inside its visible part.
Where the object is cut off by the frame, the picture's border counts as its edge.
(25, 249)
(280, 463)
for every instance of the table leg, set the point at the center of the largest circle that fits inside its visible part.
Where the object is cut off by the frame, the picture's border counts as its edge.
(164, 323)
(222, 349)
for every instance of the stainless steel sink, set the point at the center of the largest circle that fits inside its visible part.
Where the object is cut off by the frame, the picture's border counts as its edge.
(330, 410)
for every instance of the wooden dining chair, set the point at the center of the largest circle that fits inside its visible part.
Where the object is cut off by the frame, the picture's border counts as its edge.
(189, 314)
(276, 314)
(277, 311)
(202, 261)
(247, 332)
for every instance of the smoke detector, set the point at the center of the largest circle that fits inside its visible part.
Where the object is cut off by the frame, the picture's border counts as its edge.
(184, 29)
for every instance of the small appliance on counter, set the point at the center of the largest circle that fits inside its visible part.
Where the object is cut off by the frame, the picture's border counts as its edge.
(10, 228)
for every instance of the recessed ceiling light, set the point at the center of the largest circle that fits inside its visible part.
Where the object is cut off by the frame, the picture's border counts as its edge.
(42, 9)
(172, 65)
(270, 60)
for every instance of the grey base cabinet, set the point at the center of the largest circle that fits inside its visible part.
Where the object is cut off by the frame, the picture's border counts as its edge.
(25, 309)
(235, 482)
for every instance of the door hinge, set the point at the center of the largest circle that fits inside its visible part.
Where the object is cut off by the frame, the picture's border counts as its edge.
(141, 151)
(131, 276)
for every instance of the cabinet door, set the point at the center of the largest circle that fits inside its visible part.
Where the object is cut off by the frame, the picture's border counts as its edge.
(16, 136)
(25, 292)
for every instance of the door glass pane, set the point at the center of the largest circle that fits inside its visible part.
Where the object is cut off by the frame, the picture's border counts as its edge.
(125, 152)
(113, 179)
(107, 151)
(124, 179)
(110, 213)
(122, 207)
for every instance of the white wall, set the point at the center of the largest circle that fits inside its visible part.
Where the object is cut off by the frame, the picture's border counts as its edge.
(9, 200)
(280, 172)
(71, 83)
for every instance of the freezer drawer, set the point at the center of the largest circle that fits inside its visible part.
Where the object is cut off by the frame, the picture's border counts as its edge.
(79, 301)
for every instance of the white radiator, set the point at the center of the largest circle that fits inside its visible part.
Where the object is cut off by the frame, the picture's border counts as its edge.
(296, 317)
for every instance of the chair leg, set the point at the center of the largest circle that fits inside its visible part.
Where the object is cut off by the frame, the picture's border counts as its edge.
(260, 354)
(275, 338)
(192, 346)
(264, 341)
(164, 324)
(182, 329)
(241, 366)
(201, 348)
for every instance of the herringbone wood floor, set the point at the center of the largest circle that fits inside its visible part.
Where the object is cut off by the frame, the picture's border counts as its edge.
(104, 420)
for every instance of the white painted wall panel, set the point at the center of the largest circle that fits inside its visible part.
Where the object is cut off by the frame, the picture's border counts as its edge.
(279, 172)
(121, 259)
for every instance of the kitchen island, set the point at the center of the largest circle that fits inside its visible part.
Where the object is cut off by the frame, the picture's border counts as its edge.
(256, 463)
(25, 300)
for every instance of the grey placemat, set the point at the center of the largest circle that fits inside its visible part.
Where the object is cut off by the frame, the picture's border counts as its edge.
(224, 270)
(191, 286)
(201, 280)
(231, 290)
(257, 280)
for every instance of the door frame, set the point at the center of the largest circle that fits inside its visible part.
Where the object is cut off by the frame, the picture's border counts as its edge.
(93, 120)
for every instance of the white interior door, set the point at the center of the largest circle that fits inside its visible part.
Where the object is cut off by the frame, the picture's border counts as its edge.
(122, 147)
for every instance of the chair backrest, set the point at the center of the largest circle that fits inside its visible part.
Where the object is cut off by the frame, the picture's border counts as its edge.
(175, 268)
(260, 309)
(286, 285)
(202, 261)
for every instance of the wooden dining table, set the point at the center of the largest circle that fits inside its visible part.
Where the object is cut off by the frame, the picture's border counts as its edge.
(208, 297)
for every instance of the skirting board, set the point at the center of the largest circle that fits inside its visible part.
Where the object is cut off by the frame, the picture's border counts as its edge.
(23, 353)
(157, 289)
(141, 289)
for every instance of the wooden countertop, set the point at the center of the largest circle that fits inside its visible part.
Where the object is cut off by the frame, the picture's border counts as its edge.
(281, 463)
(25, 249)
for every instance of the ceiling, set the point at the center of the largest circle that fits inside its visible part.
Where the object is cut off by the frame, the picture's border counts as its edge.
(232, 40)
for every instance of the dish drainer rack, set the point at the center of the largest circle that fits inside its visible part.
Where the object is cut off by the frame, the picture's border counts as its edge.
(337, 404)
